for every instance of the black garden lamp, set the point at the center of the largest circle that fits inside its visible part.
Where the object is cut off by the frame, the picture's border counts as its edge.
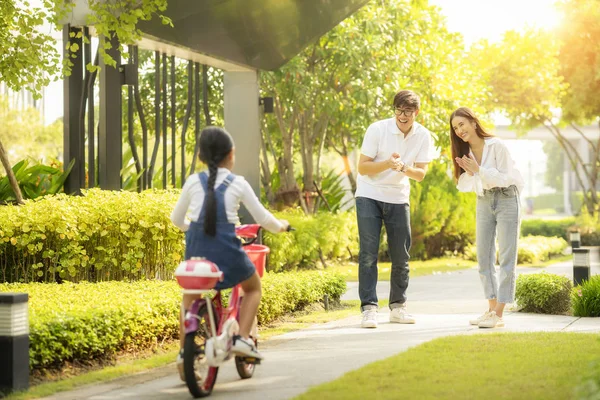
(14, 343)
(581, 266)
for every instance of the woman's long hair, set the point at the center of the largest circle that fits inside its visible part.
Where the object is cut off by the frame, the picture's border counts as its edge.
(460, 148)
(215, 145)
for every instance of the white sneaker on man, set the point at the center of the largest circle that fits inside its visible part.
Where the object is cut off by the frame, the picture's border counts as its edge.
(399, 315)
(477, 320)
(492, 321)
(369, 319)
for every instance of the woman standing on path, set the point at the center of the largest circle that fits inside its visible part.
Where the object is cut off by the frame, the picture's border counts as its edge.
(482, 164)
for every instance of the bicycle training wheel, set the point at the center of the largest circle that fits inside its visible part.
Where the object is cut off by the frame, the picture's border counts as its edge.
(245, 369)
(200, 378)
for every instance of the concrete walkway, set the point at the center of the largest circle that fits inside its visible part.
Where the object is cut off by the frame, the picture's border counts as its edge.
(442, 304)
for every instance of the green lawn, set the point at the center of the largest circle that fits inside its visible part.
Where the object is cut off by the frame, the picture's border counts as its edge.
(417, 268)
(483, 366)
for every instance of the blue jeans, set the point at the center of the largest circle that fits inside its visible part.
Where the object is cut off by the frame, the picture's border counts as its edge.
(498, 215)
(371, 215)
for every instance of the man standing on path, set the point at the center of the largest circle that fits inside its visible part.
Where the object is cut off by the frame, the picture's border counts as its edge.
(393, 151)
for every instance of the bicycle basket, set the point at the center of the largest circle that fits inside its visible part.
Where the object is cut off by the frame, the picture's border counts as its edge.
(258, 255)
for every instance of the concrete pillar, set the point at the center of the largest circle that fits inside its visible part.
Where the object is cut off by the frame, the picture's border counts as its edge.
(243, 123)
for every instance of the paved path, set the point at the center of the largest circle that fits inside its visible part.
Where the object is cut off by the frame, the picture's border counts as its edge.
(442, 303)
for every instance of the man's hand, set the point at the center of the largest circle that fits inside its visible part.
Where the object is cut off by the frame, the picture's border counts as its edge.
(395, 162)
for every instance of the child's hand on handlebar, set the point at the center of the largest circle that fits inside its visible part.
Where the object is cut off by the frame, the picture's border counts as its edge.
(285, 225)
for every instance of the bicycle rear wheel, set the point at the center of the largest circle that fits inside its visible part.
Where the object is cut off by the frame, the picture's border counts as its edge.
(200, 378)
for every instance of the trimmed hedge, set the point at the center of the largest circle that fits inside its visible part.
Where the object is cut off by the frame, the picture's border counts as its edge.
(80, 321)
(100, 236)
(589, 227)
(108, 235)
(586, 298)
(532, 249)
(547, 227)
(544, 293)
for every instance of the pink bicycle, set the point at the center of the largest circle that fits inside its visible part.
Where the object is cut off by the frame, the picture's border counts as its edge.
(210, 325)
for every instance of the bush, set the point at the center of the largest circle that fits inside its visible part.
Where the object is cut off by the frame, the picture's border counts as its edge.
(532, 249)
(107, 235)
(544, 293)
(546, 227)
(586, 298)
(102, 235)
(81, 321)
(331, 235)
(442, 219)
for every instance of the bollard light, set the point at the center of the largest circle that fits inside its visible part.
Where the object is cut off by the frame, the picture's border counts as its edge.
(14, 342)
(575, 237)
(581, 266)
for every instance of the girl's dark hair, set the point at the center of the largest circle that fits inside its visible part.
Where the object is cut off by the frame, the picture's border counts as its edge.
(459, 147)
(215, 144)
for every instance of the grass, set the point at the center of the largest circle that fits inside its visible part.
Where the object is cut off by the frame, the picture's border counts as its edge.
(484, 366)
(128, 366)
(417, 268)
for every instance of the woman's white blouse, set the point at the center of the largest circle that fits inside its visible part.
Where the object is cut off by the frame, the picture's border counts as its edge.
(190, 203)
(497, 169)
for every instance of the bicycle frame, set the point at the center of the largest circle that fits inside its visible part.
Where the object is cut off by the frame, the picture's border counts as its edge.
(218, 346)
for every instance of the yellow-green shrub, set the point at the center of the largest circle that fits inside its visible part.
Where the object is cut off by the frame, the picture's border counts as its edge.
(79, 321)
(108, 235)
(335, 235)
(532, 249)
(102, 235)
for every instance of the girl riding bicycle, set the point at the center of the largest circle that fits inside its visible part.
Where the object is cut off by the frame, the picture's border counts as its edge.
(211, 201)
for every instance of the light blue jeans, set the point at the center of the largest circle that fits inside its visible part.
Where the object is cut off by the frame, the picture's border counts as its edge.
(498, 216)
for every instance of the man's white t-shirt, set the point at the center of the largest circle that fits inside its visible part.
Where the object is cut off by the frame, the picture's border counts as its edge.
(381, 140)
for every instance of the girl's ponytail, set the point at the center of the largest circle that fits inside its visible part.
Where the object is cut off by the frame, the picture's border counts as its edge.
(215, 146)
(210, 221)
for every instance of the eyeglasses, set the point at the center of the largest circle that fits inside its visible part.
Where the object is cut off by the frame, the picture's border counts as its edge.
(408, 113)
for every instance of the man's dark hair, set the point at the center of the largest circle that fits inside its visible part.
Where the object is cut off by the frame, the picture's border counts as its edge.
(407, 99)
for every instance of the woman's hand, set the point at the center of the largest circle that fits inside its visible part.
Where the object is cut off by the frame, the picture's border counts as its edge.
(469, 164)
(461, 164)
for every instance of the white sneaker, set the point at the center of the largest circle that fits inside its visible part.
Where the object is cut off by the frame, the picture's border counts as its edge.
(492, 321)
(245, 347)
(477, 320)
(400, 316)
(179, 363)
(369, 318)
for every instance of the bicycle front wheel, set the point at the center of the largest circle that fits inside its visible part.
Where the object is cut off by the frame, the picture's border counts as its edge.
(200, 378)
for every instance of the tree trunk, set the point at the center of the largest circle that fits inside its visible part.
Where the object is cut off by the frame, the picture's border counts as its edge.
(590, 197)
(312, 137)
(285, 165)
(11, 176)
(266, 172)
